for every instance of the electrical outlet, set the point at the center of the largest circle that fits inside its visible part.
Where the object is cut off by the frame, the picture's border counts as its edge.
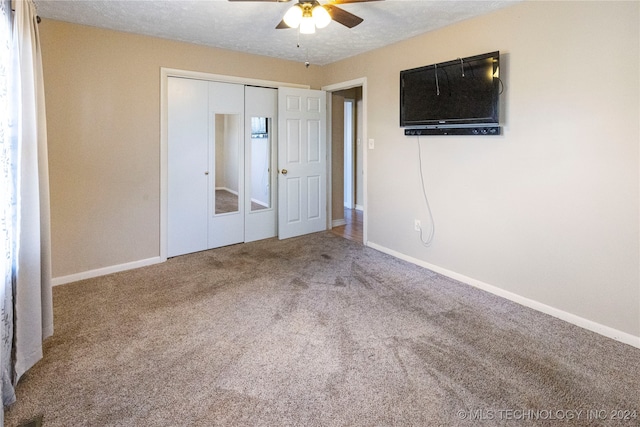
(417, 225)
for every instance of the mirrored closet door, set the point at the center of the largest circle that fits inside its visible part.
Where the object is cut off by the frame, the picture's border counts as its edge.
(221, 164)
(261, 107)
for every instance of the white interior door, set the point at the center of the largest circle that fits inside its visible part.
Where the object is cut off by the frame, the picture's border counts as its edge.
(261, 120)
(302, 162)
(187, 167)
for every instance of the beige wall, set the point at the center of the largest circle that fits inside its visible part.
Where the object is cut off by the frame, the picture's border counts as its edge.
(103, 110)
(337, 156)
(549, 210)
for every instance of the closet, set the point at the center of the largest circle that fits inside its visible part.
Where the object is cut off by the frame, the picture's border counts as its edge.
(221, 185)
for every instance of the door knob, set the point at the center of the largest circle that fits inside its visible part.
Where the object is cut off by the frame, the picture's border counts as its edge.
(284, 171)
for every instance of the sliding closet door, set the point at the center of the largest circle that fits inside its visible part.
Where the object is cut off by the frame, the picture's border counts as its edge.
(226, 139)
(205, 165)
(188, 166)
(261, 108)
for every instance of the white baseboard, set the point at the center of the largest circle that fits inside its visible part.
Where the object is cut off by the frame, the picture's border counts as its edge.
(228, 190)
(104, 271)
(338, 222)
(590, 325)
(359, 207)
(259, 202)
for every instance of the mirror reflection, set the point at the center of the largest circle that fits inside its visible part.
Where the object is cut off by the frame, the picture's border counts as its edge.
(260, 172)
(227, 144)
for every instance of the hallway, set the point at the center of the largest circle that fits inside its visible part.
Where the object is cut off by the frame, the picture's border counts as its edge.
(352, 230)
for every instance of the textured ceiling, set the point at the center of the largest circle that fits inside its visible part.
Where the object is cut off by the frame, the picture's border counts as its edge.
(250, 26)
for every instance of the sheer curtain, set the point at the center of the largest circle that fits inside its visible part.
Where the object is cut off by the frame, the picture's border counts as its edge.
(26, 157)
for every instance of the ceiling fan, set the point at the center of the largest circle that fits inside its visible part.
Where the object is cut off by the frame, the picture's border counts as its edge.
(310, 14)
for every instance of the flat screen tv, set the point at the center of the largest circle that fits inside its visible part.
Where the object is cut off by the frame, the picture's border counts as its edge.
(458, 93)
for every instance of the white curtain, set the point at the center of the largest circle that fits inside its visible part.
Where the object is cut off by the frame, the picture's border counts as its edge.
(33, 304)
(32, 301)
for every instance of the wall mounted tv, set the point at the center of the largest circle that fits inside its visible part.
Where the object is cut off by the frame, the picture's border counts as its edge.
(459, 97)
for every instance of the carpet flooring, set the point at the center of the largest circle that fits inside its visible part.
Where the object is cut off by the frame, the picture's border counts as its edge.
(315, 331)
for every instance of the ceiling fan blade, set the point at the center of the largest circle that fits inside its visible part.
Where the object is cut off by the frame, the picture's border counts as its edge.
(280, 26)
(343, 17)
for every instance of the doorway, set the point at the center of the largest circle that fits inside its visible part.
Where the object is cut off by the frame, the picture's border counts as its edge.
(348, 162)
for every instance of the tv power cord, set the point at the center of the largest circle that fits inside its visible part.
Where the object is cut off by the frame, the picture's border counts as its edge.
(432, 227)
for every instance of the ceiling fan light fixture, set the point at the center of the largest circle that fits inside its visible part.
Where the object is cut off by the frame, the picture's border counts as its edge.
(307, 26)
(293, 17)
(321, 17)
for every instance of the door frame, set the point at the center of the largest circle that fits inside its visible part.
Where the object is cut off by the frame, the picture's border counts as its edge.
(165, 73)
(359, 82)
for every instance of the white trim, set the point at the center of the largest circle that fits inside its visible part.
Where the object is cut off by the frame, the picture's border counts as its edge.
(228, 190)
(359, 82)
(259, 202)
(105, 270)
(345, 85)
(590, 325)
(329, 139)
(165, 73)
(173, 72)
(338, 222)
(359, 207)
(164, 161)
(353, 166)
